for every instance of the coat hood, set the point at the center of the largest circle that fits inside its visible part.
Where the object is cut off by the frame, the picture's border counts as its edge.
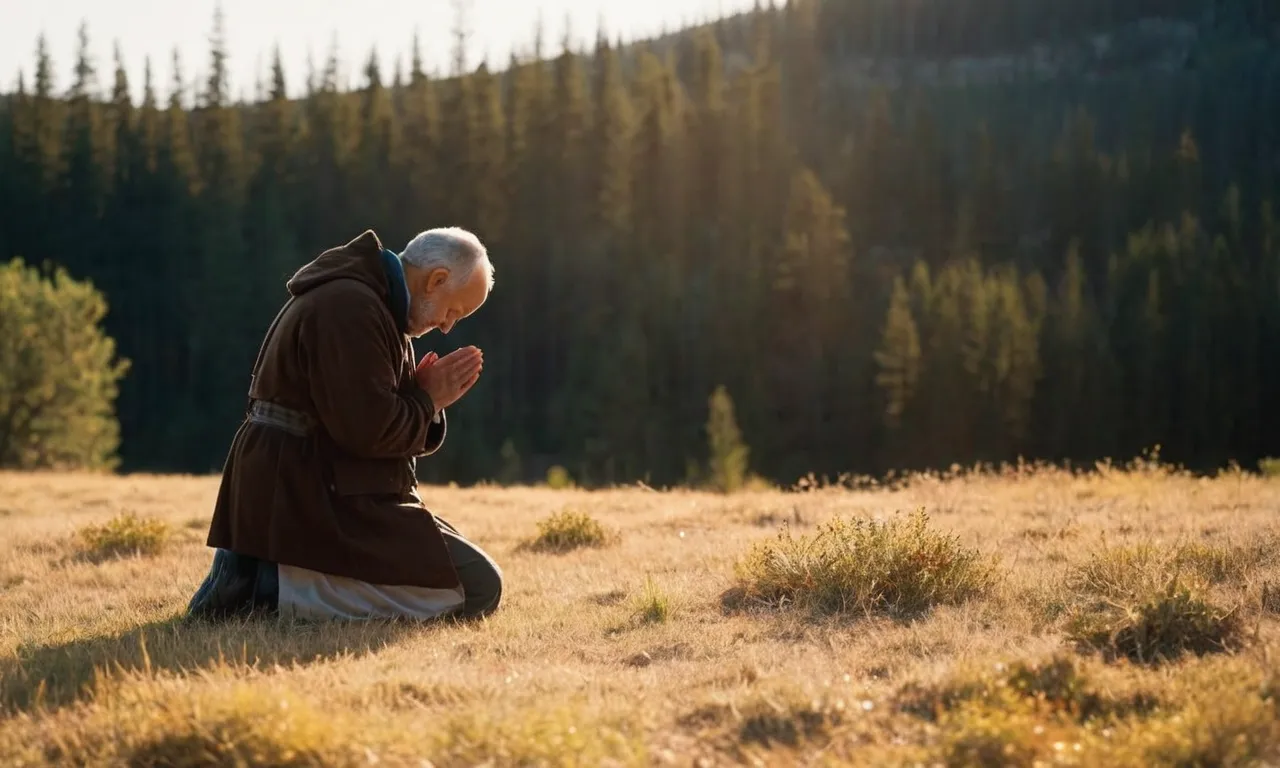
(366, 261)
(361, 259)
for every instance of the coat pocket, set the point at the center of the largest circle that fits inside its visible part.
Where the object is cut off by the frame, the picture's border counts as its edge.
(369, 477)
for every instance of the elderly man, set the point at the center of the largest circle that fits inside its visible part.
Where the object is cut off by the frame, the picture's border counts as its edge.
(318, 515)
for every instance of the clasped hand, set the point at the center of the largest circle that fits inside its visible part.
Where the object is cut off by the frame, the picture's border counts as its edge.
(446, 379)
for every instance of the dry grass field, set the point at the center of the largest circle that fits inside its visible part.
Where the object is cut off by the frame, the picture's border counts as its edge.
(1127, 617)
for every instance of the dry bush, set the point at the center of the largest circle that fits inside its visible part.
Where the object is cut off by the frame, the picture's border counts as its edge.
(1012, 733)
(568, 530)
(898, 568)
(123, 535)
(1151, 604)
(1059, 683)
(1157, 626)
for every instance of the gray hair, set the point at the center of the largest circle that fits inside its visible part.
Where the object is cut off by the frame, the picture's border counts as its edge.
(451, 248)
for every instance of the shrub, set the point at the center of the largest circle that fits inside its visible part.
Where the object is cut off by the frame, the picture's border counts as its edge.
(790, 724)
(60, 373)
(1015, 734)
(1269, 467)
(1151, 604)
(1158, 625)
(570, 529)
(1058, 683)
(125, 534)
(559, 479)
(1226, 721)
(898, 568)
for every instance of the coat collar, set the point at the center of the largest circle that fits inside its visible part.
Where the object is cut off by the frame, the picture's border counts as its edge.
(397, 289)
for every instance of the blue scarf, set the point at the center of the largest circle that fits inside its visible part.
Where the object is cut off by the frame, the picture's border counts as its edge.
(397, 289)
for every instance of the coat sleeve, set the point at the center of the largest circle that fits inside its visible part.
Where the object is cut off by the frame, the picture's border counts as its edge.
(439, 421)
(354, 376)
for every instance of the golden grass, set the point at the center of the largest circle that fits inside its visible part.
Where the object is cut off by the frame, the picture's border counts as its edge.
(626, 654)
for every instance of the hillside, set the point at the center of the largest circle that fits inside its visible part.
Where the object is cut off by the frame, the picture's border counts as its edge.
(899, 234)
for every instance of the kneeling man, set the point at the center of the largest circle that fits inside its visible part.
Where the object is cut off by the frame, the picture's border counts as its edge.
(318, 515)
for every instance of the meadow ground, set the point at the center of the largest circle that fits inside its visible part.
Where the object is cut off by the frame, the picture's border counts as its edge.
(1130, 619)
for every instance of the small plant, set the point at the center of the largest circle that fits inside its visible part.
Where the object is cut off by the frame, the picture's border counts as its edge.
(1269, 467)
(1014, 734)
(653, 606)
(126, 534)
(1152, 604)
(788, 720)
(1157, 625)
(559, 479)
(897, 568)
(570, 529)
(1057, 683)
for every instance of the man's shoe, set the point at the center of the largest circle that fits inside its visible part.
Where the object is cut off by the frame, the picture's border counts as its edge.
(235, 586)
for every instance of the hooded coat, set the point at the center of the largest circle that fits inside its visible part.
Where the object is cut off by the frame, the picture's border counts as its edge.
(342, 500)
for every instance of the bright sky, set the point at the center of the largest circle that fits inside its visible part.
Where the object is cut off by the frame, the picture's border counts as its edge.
(155, 27)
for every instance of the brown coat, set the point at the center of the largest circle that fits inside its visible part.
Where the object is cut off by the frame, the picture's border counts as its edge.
(344, 500)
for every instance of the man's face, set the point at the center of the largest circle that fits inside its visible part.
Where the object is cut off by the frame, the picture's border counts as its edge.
(436, 305)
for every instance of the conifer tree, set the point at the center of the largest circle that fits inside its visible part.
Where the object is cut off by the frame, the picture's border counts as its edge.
(898, 356)
(728, 457)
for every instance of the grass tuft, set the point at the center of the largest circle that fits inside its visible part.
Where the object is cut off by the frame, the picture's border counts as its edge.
(1157, 626)
(568, 530)
(898, 568)
(123, 535)
(1150, 604)
(1058, 684)
(769, 724)
(653, 606)
(1015, 733)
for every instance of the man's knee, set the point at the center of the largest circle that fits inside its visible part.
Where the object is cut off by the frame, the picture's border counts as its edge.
(482, 588)
(480, 576)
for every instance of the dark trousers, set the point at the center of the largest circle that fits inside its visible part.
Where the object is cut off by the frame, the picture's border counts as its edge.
(480, 576)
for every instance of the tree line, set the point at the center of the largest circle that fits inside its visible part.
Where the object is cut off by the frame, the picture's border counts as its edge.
(893, 270)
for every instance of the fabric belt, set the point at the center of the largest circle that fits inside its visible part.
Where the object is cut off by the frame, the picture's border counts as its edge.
(273, 415)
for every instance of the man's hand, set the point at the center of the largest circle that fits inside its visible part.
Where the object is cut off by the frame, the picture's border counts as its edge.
(446, 379)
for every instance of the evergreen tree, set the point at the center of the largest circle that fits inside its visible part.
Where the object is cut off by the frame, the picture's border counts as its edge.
(771, 204)
(57, 394)
(898, 356)
(728, 454)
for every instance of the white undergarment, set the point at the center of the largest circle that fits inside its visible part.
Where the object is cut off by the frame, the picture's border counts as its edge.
(307, 594)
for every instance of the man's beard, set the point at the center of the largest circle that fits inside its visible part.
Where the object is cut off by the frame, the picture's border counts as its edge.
(419, 314)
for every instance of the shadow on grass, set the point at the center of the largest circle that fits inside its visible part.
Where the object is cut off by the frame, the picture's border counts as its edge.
(50, 676)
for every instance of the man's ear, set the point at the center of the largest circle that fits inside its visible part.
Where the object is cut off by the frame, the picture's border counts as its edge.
(436, 279)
